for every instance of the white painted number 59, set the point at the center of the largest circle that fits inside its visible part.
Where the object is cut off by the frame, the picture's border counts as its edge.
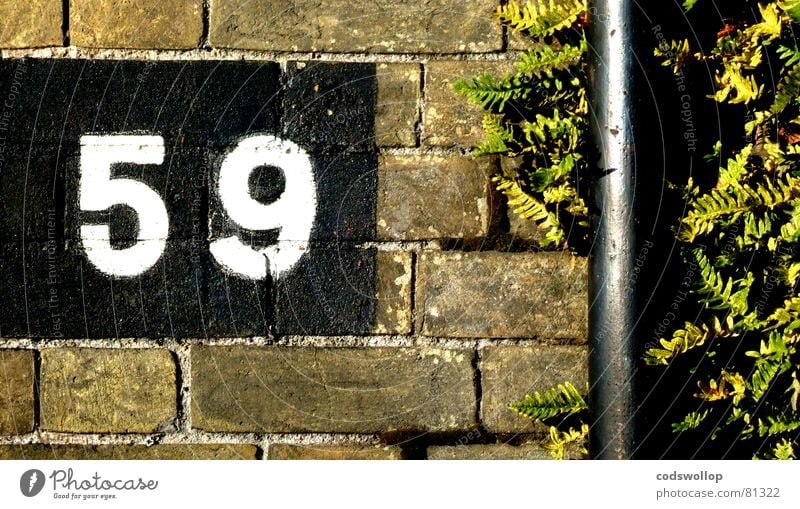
(292, 214)
(98, 191)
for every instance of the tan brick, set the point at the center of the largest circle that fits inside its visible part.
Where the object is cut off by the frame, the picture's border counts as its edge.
(432, 197)
(380, 26)
(488, 452)
(523, 229)
(502, 295)
(146, 24)
(508, 373)
(279, 389)
(30, 23)
(393, 291)
(129, 452)
(449, 119)
(397, 107)
(320, 452)
(16, 392)
(107, 390)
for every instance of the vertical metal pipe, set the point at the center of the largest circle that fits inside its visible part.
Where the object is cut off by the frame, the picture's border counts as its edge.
(612, 311)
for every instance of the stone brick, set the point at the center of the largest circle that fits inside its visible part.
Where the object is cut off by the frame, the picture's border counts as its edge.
(330, 106)
(502, 295)
(129, 452)
(338, 291)
(146, 24)
(325, 452)
(397, 108)
(16, 392)
(432, 197)
(30, 24)
(518, 41)
(382, 26)
(329, 292)
(509, 373)
(488, 452)
(523, 229)
(449, 119)
(349, 390)
(107, 390)
(393, 293)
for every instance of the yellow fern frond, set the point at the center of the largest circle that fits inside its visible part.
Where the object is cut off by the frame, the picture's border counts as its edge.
(541, 18)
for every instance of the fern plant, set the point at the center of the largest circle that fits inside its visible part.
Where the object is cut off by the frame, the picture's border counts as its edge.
(740, 231)
(554, 406)
(538, 114)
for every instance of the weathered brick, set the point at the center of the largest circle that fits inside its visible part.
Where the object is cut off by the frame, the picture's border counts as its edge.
(382, 26)
(16, 391)
(502, 295)
(523, 229)
(488, 452)
(146, 24)
(107, 390)
(129, 452)
(330, 106)
(410, 207)
(326, 452)
(329, 292)
(30, 24)
(279, 389)
(338, 291)
(393, 293)
(449, 119)
(397, 108)
(509, 373)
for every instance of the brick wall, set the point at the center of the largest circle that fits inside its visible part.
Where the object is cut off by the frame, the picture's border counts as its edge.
(468, 316)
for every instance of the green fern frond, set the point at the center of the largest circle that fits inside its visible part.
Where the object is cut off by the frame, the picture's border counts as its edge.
(734, 87)
(498, 136)
(771, 360)
(543, 60)
(489, 93)
(561, 401)
(718, 292)
(708, 208)
(675, 54)
(790, 230)
(789, 55)
(540, 18)
(561, 440)
(732, 201)
(788, 90)
(791, 8)
(757, 229)
(530, 207)
(783, 450)
(691, 421)
(775, 425)
(688, 4)
(787, 317)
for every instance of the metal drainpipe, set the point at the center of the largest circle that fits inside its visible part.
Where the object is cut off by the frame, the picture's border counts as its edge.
(612, 310)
